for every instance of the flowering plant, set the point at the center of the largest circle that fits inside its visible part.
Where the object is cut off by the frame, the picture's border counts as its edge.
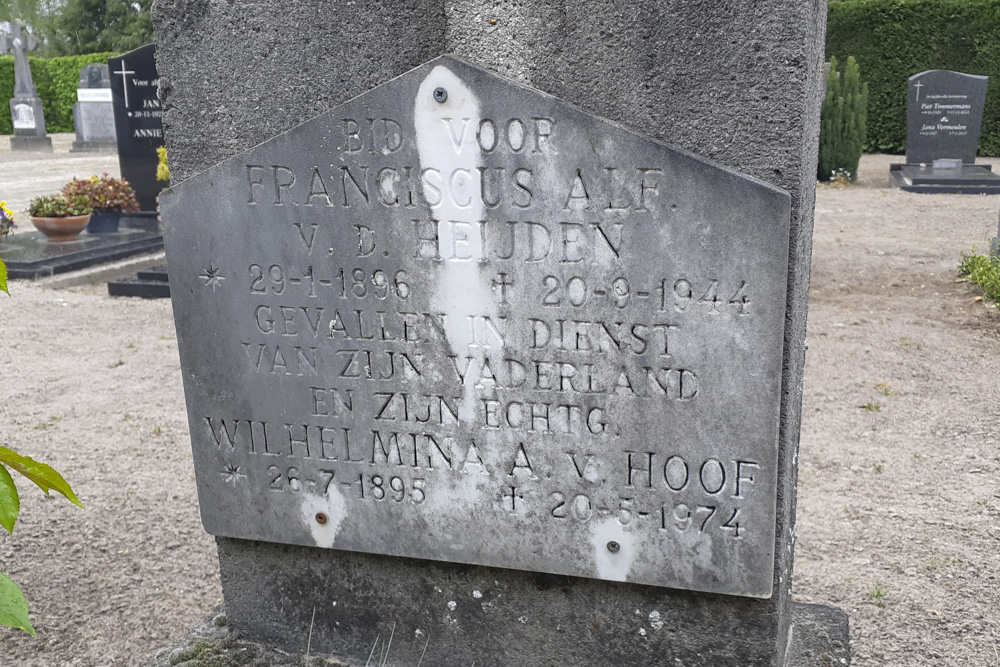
(106, 193)
(6, 220)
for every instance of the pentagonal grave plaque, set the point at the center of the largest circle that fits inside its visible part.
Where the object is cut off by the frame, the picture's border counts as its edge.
(458, 319)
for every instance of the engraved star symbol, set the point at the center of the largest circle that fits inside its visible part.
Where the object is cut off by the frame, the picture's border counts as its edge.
(232, 474)
(212, 277)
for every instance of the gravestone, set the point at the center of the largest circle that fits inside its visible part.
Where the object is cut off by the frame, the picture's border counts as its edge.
(93, 114)
(580, 333)
(543, 298)
(138, 121)
(944, 115)
(25, 107)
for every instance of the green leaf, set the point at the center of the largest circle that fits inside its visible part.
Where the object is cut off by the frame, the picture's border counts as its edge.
(3, 277)
(10, 504)
(13, 606)
(42, 475)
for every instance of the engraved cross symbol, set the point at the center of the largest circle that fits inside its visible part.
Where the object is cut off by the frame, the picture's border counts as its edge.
(514, 496)
(124, 72)
(212, 277)
(502, 281)
(918, 86)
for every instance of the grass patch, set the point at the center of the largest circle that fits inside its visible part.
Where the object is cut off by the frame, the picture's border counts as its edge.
(876, 594)
(984, 272)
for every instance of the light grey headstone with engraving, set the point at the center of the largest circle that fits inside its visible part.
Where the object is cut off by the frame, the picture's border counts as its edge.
(458, 319)
(93, 114)
(26, 111)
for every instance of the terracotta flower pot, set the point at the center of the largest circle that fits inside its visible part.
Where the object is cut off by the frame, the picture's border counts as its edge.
(61, 229)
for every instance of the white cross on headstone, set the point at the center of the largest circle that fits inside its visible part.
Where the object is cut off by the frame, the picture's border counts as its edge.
(918, 86)
(124, 72)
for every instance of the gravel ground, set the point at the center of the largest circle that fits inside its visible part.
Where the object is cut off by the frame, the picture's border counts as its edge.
(898, 501)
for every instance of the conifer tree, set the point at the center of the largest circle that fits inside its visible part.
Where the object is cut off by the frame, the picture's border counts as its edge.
(842, 121)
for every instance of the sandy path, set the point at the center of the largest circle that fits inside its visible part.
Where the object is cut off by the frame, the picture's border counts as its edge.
(898, 502)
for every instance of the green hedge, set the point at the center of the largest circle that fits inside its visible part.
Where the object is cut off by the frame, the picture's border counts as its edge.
(55, 80)
(895, 39)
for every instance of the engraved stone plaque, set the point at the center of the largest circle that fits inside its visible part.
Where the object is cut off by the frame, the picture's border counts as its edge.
(458, 319)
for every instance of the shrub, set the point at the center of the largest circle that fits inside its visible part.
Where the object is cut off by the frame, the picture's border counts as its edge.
(895, 39)
(984, 272)
(55, 80)
(842, 121)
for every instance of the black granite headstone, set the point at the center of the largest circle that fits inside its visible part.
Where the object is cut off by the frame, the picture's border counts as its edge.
(138, 122)
(944, 114)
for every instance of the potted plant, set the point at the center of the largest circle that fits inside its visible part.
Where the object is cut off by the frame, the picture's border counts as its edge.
(58, 217)
(108, 196)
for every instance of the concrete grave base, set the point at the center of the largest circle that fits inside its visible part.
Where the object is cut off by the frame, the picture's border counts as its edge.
(108, 146)
(31, 143)
(820, 639)
(456, 614)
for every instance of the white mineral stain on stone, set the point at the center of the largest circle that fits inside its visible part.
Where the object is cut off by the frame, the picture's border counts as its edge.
(449, 161)
(654, 620)
(614, 566)
(452, 604)
(333, 506)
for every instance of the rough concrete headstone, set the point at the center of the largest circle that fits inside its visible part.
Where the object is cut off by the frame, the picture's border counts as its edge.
(138, 121)
(25, 107)
(93, 114)
(661, 70)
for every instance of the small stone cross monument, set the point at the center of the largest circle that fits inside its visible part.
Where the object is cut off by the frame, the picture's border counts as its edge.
(25, 106)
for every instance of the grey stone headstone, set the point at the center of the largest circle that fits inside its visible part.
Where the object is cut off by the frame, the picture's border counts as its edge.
(458, 319)
(25, 107)
(944, 116)
(698, 92)
(94, 114)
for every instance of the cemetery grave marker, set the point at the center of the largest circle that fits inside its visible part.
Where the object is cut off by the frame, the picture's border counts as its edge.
(138, 121)
(93, 114)
(447, 318)
(944, 116)
(25, 107)
(550, 234)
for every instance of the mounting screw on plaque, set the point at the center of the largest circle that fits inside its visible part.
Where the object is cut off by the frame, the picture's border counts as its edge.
(320, 517)
(613, 547)
(440, 94)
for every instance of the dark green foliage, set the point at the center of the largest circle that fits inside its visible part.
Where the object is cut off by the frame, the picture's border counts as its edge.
(895, 39)
(55, 80)
(87, 26)
(842, 124)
